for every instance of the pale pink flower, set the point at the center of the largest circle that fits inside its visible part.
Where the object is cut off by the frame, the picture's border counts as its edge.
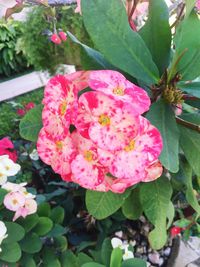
(107, 122)
(14, 200)
(30, 207)
(56, 152)
(14, 187)
(178, 109)
(78, 8)
(116, 85)
(198, 5)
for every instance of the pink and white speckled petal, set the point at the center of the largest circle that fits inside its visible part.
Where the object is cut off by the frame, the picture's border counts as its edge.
(154, 171)
(79, 79)
(116, 85)
(88, 174)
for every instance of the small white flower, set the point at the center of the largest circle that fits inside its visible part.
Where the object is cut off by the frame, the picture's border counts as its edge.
(116, 242)
(14, 187)
(8, 167)
(3, 178)
(128, 254)
(119, 234)
(34, 155)
(132, 243)
(3, 231)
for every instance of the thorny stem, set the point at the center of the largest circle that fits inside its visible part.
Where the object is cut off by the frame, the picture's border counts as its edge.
(188, 124)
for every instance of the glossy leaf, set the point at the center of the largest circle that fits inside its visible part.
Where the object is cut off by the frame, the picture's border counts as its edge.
(187, 41)
(31, 124)
(10, 252)
(107, 24)
(155, 198)
(162, 116)
(116, 257)
(31, 243)
(43, 226)
(157, 34)
(101, 205)
(192, 88)
(15, 232)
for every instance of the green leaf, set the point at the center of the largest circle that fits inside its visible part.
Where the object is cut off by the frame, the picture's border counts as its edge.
(44, 209)
(50, 259)
(107, 23)
(68, 259)
(189, 6)
(29, 222)
(134, 263)
(116, 257)
(155, 197)
(192, 88)
(57, 215)
(132, 208)
(15, 232)
(57, 230)
(157, 28)
(43, 226)
(83, 258)
(106, 251)
(31, 243)
(162, 116)
(10, 252)
(61, 243)
(182, 223)
(170, 214)
(189, 41)
(98, 61)
(92, 264)
(101, 205)
(190, 142)
(27, 261)
(31, 124)
(3, 192)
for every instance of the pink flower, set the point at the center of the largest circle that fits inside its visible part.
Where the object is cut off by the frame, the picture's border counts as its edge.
(198, 5)
(56, 39)
(107, 122)
(60, 100)
(21, 112)
(30, 207)
(29, 106)
(138, 161)
(14, 200)
(7, 148)
(86, 168)
(56, 152)
(63, 35)
(78, 8)
(114, 84)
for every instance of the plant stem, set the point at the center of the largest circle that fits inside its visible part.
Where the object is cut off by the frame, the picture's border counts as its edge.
(188, 124)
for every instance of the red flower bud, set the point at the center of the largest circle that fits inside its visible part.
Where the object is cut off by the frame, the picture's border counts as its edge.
(63, 36)
(55, 39)
(175, 231)
(29, 106)
(21, 112)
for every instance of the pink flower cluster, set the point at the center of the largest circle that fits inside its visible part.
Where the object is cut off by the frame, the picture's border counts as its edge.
(97, 137)
(22, 111)
(19, 200)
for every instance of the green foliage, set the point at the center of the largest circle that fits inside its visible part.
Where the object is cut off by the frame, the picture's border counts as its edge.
(41, 52)
(31, 124)
(156, 29)
(101, 204)
(162, 116)
(116, 257)
(134, 263)
(110, 16)
(12, 59)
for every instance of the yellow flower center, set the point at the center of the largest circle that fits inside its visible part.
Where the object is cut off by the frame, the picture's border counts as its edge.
(14, 201)
(88, 155)
(130, 146)
(63, 108)
(59, 145)
(104, 120)
(118, 91)
(7, 168)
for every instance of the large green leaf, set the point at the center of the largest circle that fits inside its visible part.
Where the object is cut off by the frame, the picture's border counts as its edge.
(31, 243)
(31, 124)
(116, 257)
(43, 226)
(162, 116)
(189, 6)
(68, 259)
(101, 205)
(107, 23)
(106, 251)
(155, 198)
(192, 88)
(190, 142)
(157, 34)
(15, 232)
(97, 59)
(132, 208)
(134, 263)
(10, 252)
(187, 39)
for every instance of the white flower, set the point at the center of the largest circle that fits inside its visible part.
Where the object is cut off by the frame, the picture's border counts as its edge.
(3, 231)
(128, 254)
(14, 187)
(34, 155)
(116, 242)
(3, 178)
(8, 167)
(119, 234)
